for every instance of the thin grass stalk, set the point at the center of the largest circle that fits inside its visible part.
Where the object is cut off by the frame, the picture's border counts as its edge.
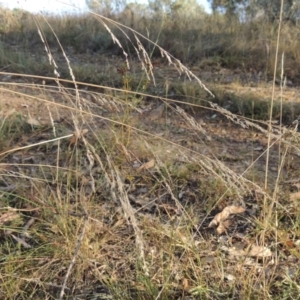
(273, 97)
(267, 209)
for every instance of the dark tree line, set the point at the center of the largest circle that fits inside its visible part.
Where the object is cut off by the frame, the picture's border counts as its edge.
(247, 9)
(252, 8)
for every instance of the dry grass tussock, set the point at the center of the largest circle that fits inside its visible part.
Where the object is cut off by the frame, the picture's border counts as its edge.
(100, 197)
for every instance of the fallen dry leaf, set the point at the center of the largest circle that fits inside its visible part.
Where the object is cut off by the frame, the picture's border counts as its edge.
(289, 244)
(294, 196)
(224, 214)
(259, 251)
(150, 164)
(219, 219)
(33, 121)
(9, 216)
(253, 250)
(185, 284)
(229, 277)
(223, 226)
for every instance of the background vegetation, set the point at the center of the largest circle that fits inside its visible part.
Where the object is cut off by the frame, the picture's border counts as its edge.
(238, 34)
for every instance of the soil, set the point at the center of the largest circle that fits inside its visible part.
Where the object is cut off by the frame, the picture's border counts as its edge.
(224, 140)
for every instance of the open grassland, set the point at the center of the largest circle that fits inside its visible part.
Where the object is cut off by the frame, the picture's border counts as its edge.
(127, 177)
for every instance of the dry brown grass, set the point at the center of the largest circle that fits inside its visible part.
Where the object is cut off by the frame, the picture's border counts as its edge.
(100, 196)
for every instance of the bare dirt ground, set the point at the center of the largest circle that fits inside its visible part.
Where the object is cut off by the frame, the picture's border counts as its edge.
(221, 139)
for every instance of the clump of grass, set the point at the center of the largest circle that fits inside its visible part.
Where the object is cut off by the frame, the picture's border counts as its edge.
(11, 123)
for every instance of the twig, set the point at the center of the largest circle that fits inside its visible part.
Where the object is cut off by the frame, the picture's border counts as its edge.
(26, 227)
(20, 241)
(36, 144)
